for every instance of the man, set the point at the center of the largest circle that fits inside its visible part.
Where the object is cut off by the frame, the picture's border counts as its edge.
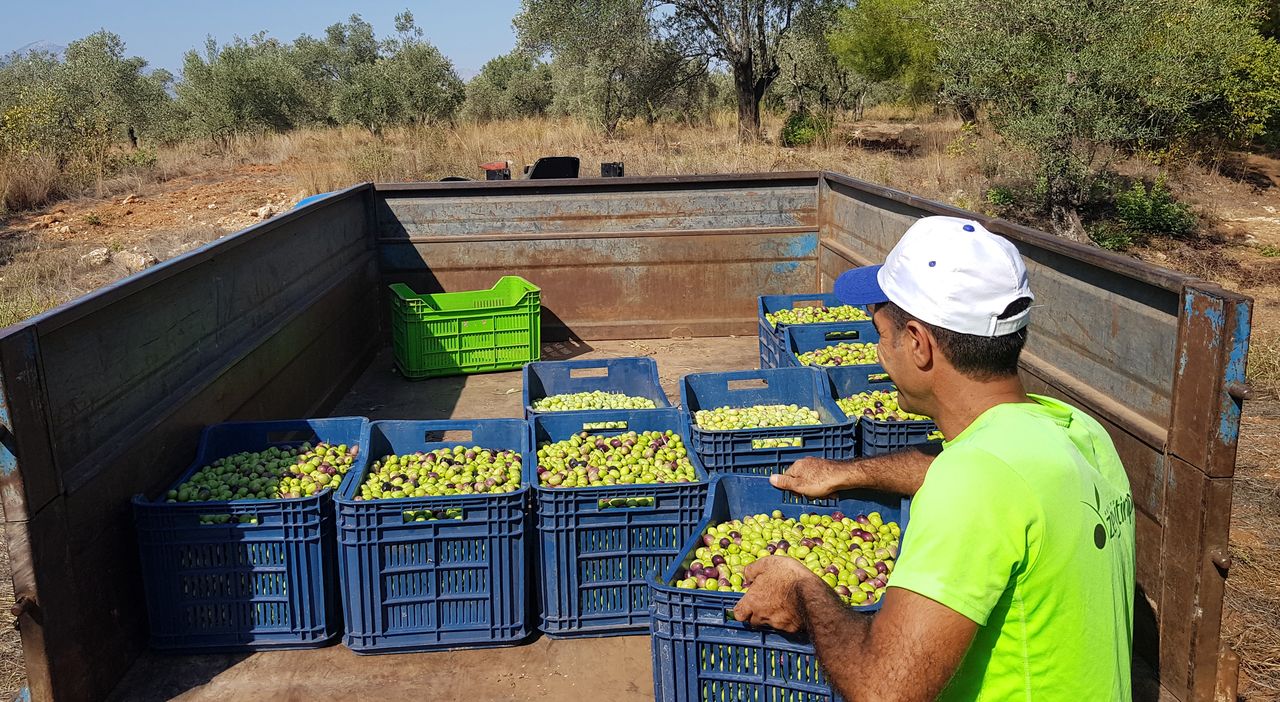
(1016, 576)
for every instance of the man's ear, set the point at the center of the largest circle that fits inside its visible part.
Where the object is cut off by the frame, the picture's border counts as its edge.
(921, 345)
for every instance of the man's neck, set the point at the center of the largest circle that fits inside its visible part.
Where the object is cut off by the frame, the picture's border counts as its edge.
(962, 403)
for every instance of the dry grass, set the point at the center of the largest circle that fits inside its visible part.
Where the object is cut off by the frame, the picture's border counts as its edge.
(1252, 622)
(12, 671)
(324, 160)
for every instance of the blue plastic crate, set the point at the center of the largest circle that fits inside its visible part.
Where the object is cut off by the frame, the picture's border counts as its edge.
(877, 437)
(803, 338)
(700, 652)
(234, 586)
(773, 342)
(594, 560)
(740, 451)
(637, 377)
(442, 584)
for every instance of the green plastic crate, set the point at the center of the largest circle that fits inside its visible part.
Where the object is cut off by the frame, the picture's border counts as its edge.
(475, 331)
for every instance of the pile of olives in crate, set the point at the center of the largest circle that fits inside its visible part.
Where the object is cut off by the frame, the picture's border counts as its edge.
(877, 404)
(842, 354)
(817, 315)
(757, 417)
(632, 458)
(443, 472)
(855, 556)
(596, 400)
(275, 473)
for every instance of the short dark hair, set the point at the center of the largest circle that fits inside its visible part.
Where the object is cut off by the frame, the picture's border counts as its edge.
(979, 357)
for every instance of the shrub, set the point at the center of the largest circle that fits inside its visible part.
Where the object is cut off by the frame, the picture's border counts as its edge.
(1154, 211)
(803, 128)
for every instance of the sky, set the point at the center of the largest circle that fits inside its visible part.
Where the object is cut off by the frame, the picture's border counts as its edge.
(469, 32)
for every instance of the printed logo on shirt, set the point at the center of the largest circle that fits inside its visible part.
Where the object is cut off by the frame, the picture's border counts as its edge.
(1111, 517)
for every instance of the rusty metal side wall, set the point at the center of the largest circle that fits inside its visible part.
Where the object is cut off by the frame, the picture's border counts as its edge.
(640, 205)
(269, 322)
(642, 261)
(1103, 326)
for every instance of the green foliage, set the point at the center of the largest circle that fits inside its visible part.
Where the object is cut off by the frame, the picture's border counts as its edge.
(810, 75)
(803, 128)
(609, 63)
(248, 85)
(1112, 236)
(1153, 210)
(1001, 197)
(67, 123)
(1269, 251)
(1080, 84)
(512, 85)
(888, 41)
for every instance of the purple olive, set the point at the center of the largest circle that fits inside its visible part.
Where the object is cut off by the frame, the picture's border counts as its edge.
(837, 517)
(717, 560)
(893, 551)
(833, 569)
(861, 575)
(784, 544)
(862, 519)
(724, 543)
(879, 582)
(843, 591)
(771, 549)
(708, 540)
(711, 572)
(695, 567)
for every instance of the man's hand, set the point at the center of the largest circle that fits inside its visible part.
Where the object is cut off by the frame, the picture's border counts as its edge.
(777, 586)
(818, 477)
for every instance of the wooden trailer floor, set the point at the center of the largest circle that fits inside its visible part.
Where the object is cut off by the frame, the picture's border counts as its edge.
(541, 669)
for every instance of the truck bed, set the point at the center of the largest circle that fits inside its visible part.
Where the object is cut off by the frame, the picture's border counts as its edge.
(541, 669)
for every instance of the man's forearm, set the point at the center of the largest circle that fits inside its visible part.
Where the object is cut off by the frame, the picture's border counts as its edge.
(901, 472)
(838, 634)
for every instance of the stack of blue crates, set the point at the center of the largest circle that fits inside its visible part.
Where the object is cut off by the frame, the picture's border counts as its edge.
(634, 376)
(455, 581)
(598, 544)
(700, 652)
(265, 582)
(758, 450)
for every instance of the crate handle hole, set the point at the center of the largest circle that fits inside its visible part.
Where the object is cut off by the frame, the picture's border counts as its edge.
(838, 335)
(634, 502)
(748, 384)
(878, 378)
(225, 518)
(589, 372)
(433, 515)
(455, 435)
(604, 426)
(797, 304)
(777, 442)
(292, 437)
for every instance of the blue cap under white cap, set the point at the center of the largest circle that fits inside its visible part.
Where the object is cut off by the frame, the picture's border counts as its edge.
(949, 272)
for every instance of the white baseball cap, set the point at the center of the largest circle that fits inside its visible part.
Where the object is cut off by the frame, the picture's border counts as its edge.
(949, 272)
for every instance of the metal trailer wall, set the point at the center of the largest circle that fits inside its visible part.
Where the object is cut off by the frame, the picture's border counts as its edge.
(105, 397)
(637, 258)
(1158, 358)
(274, 321)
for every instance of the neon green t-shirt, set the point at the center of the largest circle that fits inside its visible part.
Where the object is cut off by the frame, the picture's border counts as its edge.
(1024, 524)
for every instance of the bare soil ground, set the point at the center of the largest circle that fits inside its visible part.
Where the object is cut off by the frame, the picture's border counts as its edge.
(45, 260)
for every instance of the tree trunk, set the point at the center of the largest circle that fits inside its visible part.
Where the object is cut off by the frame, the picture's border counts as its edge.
(1066, 224)
(744, 86)
(968, 111)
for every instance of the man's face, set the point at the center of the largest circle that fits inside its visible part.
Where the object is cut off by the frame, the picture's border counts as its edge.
(894, 349)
